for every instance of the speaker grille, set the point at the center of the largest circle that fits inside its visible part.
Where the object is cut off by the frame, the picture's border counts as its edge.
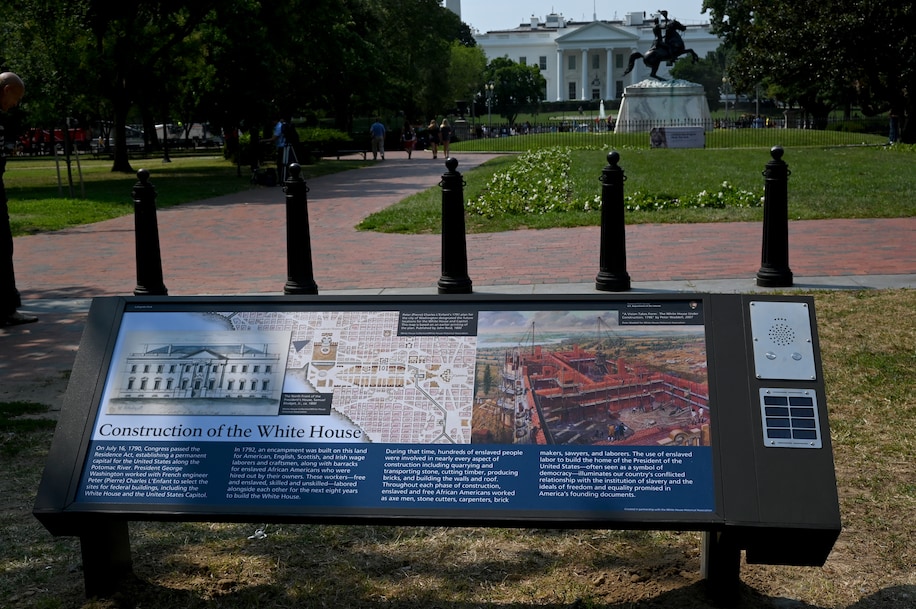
(781, 333)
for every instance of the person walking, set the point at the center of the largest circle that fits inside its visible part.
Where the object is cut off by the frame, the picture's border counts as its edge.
(377, 132)
(433, 132)
(277, 139)
(11, 91)
(408, 138)
(445, 135)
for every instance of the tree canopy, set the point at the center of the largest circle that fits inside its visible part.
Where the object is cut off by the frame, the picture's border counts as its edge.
(515, 86)
(824, 55)
(231, 63)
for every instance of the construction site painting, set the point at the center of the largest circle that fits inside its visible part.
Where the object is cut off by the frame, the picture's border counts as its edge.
(624, 376)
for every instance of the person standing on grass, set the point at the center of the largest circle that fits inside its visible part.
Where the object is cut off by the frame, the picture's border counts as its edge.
(377, 132)
(11, 91)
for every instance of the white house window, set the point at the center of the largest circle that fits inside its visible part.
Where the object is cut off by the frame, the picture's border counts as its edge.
(572, 90)
(596, 62)
(523, 60)
(542, 61)
(572, 62)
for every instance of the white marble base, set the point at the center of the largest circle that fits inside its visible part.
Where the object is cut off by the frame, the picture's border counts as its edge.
(662, 103)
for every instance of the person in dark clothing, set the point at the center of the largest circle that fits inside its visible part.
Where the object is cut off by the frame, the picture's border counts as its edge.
(433, 133)
(11, 91)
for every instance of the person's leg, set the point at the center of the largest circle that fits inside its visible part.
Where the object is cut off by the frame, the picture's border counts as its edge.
(9, 295)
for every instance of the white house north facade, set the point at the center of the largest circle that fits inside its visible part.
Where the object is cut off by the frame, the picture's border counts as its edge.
(587, 60)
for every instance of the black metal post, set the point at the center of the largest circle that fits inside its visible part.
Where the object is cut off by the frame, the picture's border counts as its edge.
(107, 564)
(454, 279)
(146, 236)
(300, 276)
(612, 275)
(774, 260)
(720, 566)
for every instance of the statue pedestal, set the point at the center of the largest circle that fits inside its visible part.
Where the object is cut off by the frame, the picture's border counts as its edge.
(663, 103)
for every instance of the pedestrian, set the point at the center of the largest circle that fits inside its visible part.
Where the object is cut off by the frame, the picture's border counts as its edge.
(445, 136)
(11, 91)
(377, 132)
(433, 131)
(278, 140)
(408, 138)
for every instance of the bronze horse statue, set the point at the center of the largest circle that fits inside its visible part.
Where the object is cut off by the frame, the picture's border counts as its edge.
(668, 50)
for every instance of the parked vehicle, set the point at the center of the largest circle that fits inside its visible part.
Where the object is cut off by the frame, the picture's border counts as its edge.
(40, 141)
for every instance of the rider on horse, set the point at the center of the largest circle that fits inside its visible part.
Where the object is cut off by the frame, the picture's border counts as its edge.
(665, 48)
(657, 30)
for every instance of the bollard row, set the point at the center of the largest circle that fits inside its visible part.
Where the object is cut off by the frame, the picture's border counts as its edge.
(612, 274)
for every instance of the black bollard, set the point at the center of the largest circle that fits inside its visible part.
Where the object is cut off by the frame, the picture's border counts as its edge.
(146, 237)
(454, 279)
(612, 273)
(300, 276)
(774, 260)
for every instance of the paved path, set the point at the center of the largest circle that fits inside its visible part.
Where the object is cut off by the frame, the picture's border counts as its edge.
(236, 244)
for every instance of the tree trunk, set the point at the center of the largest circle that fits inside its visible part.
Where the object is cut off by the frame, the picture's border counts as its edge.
(121, 158)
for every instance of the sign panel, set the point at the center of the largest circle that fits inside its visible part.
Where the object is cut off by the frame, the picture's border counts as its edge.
(328, 406)
(677, 137)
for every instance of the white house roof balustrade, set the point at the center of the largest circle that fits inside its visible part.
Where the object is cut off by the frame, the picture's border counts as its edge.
(586, 60)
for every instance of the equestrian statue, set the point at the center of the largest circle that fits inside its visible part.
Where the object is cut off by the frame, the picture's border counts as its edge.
(665, 48)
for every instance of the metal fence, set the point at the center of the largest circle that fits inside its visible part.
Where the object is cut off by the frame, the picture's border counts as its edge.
(739, 132)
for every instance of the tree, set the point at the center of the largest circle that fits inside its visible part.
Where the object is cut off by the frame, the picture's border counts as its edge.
(708, 71)
(487, 379)
(465, 75)
(233, 63)
(825, 55)
(516, 86)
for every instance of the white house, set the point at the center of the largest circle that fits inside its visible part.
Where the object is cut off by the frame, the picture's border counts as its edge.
(587, 60)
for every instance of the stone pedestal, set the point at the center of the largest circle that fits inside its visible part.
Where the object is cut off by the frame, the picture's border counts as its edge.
(663, 103)
(461, 130)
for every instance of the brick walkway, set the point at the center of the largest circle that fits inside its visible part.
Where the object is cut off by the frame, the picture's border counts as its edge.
(237, 245)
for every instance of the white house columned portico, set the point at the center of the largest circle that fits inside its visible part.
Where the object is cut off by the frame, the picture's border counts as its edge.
(586, 60)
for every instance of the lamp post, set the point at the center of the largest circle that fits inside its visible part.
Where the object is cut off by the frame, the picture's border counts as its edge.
(489, 89)
(725, 95)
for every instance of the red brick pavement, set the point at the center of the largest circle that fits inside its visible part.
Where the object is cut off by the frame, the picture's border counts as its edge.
(237, 245)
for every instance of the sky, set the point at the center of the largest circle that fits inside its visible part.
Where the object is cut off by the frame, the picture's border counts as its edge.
(486, 15)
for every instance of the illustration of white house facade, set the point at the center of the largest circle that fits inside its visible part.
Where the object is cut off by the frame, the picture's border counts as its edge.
(174, 370)
(587, 60)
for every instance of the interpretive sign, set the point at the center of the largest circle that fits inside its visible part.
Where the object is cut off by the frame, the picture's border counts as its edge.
(602, 410)
(677, 137)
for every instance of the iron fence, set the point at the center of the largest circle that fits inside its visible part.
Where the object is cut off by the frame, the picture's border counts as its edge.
(739, 132)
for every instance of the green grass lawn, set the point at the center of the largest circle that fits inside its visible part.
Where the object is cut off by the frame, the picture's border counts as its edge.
(41, 198)
(826, 182)
(837, 182)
